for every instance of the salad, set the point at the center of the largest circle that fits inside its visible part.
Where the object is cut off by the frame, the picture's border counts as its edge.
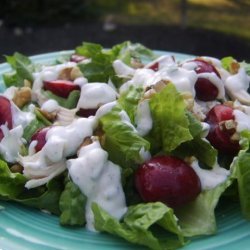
(127, 141)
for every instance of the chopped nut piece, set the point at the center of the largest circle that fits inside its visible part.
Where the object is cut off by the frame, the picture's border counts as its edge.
(234, 67)
(65, 74)
(136, 64)
(75, 73)
(149, 93)
(16, 168)
(22, 96)
(51, 116)
(160, 85)
(27, 83)
(235, 137)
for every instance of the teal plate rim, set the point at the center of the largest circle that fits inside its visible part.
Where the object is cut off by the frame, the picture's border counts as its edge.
(25, 228)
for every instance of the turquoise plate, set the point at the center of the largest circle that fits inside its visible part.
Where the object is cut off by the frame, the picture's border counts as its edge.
(24, 228)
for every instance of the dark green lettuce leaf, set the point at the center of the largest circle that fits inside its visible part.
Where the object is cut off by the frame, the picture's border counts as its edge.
(22, 67)
(72, 205)
(45, 197)
(11, 184)
(137, 225)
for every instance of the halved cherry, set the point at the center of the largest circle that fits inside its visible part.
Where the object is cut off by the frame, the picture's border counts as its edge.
(167, 179)
(60, 88)
(205, 89)
(40, 137)
(222, 128)
(86, 112)
(5, 112)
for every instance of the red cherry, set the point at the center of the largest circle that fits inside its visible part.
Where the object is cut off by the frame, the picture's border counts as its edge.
(60, 88)
(5, 112)
(154, 66)
(219, 135)
(77, 58)
(86, 112)
(40, 137)
(205, 89)
(167, 179)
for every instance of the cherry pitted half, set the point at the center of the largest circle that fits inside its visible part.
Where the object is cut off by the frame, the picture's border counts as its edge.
(222, 128)
(205, 89)
(5, 114)
(40, 137)
(167, 179)
(60, 88)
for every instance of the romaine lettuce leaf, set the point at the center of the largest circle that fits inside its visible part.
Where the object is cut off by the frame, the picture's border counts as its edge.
(11, 184)
(129, 101)
(198, 217)
(22, 67)
(137, 225)
(127, 51)
(45, 197)
(72, 205)
(241, 171)
(122, 141)
(170, 122)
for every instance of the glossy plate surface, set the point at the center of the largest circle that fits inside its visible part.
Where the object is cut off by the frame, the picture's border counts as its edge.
(23, 228)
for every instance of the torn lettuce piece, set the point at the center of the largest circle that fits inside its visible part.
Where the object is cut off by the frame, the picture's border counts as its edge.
(22, 67)
(129, 101)
(100, 68)
(138, 224)
(200, 148)
(45, 197)
(198, 217)
(72, 206)
(170, 122)
(121, 139)
(127, 51)
(241, 171)
(11, 184)
(70, 102)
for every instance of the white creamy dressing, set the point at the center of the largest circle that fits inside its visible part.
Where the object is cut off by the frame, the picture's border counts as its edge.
(143, 118)
(94, 95)
(61, 142)
(10, 92)
(50, 106)
(11, 143)
(242, 120)
(210, 178)
(183, 79)
(80, 81)
(122, 69)
(162, 61)
(100, 180)
(20, 117)
(142, 78)
(238, 83)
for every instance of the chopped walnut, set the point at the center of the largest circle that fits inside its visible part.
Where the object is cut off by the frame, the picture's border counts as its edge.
(75, 73)
(159, 86)
(16, 168)
(22, 96)
(149, 93)
(65, 74)
(51, 116)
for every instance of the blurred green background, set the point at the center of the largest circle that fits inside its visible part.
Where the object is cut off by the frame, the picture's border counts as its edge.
(214, 27)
